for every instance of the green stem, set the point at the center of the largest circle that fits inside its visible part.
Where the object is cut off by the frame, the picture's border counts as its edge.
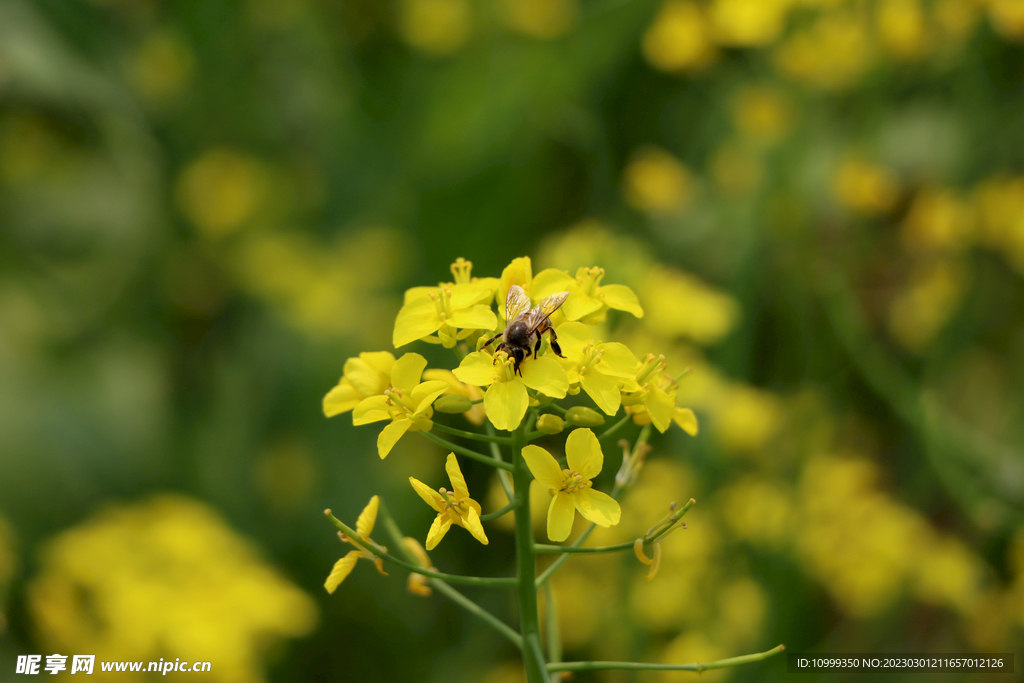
(494, 515)
(610, 432)
(544, 548)
(449, 592)
(372, 549)
(641, 666)
(526, 566)
(466, 452)
(556, 407)
(551, 625)
(503, 476)
(472, 435)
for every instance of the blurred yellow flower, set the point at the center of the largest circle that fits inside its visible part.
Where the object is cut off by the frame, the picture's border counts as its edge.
(406, 403)
(747, 23)
(761, 112)
(927, 302)
(938, 220)
(692, 646)
(571, 489)
(746, 418)
(602, 369)
(832, 53)
(164, 578)
(220, 191)
(507, 398)
(866, 188)
(678, 304)
(452, 507)
(902, 27)
(418, 584)
(677, 40)
(542, 19)
(364, 527)
(656, 182)
(1007, 18)
(736, 169)
(161, 66)
(438, 27)
(1001, 210)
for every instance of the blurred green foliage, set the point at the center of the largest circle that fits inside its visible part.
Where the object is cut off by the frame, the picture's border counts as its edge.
(206, 208)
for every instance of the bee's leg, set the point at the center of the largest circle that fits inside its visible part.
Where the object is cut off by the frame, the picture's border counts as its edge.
(554, 343)
(491, 341)
(536, 347)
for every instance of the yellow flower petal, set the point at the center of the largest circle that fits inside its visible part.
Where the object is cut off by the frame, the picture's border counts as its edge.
(367, 518)
(341, 398)
(572, 337)
(544, 467)
(370, 373)
(545, 375)
(429, 495)
(579, 304)
(477, 368)
(621, 298)
(390, 435)
(505, 404)
(519, 272)
(597, 507)
(583, 453)
(561, 512)
(603, 390)
(405, 374)
(472, 523)
(474, 317)
(372, 409)
(660, 407)
(342, 568)
(685, 418)
(437, 531)
(548, 282)
(426, 393)
(618, 360)
(469, 294)
(451, 466)
(414, 293)
(416, 319)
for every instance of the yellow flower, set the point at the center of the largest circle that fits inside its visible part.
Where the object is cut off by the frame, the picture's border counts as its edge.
(506, 398)
(588, 298)
(364, 527)
(570, 489)
(365, 376)
(455, 387)
(442, 310)
(406, 403)
(601, 368)
(655, 400)
(453, 507)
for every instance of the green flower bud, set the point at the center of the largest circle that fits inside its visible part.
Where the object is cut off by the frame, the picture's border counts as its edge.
(453, 403)
(580, 416)
(550, 424)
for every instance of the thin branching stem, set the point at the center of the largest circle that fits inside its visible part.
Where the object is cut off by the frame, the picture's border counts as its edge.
(643, 666)
(472, 435)
(610, 432)
(544, 548)
(456, 448)
(499, 513)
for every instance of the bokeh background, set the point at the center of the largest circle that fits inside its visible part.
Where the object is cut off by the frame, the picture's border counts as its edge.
(205, 208)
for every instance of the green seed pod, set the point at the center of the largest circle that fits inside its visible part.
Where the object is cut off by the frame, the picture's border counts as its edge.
(550, 424)
(580, 416)
(453, 403)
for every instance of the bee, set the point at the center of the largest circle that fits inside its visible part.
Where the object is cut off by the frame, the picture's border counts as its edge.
(525, 326)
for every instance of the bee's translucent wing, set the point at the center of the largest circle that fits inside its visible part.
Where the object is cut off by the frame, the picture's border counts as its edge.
(550, 304)
(516, 303)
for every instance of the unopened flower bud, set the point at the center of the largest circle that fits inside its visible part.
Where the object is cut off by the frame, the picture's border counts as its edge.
(453, 403)
(580, 416)
(550, 424)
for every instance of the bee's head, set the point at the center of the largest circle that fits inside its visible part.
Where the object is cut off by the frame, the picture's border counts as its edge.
(518, 354)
